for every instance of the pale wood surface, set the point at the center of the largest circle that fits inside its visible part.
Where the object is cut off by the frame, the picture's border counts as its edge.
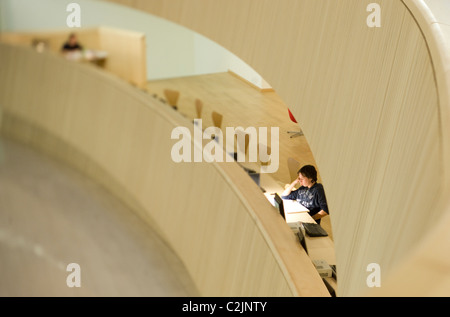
(373, 104)
(212, 214)
(126, 54)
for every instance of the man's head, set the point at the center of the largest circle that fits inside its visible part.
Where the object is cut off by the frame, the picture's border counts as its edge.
(307, 175)
(72, 39)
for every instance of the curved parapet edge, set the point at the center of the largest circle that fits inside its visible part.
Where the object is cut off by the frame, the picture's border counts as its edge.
(425, 271)
(438, 41)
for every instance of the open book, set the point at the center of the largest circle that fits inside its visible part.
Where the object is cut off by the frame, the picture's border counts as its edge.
(292, 206)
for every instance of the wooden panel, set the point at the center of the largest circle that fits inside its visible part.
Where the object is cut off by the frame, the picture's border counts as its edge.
(230, 238)
(126, 54)
(372, 103)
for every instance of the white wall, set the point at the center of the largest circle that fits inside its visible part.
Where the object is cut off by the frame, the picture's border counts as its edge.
(172, 50)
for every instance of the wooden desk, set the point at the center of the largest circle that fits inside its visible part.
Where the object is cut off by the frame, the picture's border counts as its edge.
(318, 248)
(91, 56)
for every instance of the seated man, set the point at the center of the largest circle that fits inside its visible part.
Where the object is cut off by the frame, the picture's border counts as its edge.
(311, 194)
(71, 45)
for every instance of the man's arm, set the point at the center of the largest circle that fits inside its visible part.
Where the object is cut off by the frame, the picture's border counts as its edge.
(319, 215)
(323, 204)
(289, 189)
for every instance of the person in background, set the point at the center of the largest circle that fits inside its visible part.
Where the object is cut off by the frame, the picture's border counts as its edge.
(310, 193)
(71, 45)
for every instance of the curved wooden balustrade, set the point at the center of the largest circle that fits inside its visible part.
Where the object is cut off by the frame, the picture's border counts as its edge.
(374, 105)
(216, 219)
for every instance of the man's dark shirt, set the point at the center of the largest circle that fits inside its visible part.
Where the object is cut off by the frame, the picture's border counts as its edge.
(68, 47)
(312, 198)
